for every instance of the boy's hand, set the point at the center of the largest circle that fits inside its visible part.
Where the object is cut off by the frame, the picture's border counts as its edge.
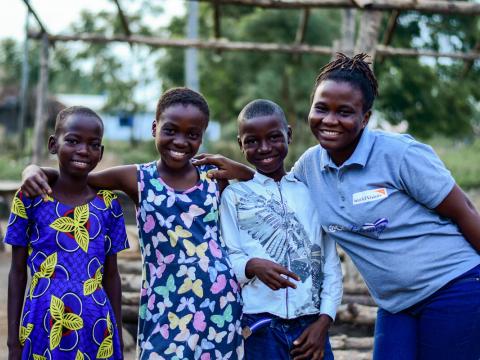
(270, 273)
(228, 169)
(35, 182)
(311, 344)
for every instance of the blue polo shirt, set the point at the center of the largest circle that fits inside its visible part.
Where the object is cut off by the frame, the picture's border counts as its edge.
(378, 207)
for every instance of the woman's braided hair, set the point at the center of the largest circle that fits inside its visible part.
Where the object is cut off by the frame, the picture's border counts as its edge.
(354, 70)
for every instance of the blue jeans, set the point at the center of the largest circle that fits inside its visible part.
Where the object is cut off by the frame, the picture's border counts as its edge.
(273, 340)
(446, 325)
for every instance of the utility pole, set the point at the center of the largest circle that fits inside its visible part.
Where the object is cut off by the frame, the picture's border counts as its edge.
(191, 56)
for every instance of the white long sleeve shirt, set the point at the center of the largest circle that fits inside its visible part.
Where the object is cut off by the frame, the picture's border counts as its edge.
(277, 221)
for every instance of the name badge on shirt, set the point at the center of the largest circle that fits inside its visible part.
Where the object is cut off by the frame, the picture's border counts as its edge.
(369, 195)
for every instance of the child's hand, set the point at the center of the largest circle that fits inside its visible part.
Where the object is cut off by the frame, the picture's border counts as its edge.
(227, 168)
(311, 344)
(35, 182)
(270, 273)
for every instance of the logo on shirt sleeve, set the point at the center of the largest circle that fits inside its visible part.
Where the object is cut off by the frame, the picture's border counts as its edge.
(369, 195)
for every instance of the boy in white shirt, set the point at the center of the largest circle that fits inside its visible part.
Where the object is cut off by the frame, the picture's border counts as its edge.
(289, 271)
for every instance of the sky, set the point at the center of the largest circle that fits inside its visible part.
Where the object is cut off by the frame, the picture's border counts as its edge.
(56, 15)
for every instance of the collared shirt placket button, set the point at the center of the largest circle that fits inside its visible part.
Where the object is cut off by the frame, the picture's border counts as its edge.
(340, 189)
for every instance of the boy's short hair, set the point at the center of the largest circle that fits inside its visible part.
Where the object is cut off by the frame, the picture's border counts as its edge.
(260, 108)
(183, 96)
(75, 110)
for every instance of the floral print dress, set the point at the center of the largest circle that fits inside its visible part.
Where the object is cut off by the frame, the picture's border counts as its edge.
(67, 314)
(190, 303)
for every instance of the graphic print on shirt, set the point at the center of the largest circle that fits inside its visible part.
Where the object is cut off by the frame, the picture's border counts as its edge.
(275, 226)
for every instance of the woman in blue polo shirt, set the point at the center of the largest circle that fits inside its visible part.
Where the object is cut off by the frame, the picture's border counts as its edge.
(391, 204)
(389, 201)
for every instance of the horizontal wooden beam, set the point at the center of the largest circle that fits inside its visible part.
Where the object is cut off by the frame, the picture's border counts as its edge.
(441, 7)
(247, 46)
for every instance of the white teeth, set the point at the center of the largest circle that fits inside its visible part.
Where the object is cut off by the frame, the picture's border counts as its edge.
(80, 163)
(331, 133)
(267, 160)
(177, 153)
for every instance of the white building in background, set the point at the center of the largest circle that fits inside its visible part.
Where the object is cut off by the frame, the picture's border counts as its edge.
(125, 126)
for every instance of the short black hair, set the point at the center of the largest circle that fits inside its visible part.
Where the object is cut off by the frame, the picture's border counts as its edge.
(75, 110)
(260, 108)
(183, 96)
(355, 71)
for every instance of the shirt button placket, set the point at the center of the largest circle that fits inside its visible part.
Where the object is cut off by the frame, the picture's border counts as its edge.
(341, 191)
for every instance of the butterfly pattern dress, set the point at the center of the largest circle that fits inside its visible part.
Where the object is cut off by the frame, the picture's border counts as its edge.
(67, 314)
(190, 304)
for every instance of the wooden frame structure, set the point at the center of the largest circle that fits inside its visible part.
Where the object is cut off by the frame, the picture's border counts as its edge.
(367, 39)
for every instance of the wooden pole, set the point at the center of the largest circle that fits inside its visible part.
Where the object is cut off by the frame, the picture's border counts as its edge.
(24, 90)
(368, 35)
(41, 114)
(216, 20)
(249, 46)
(302, 26)
(439, 7)
(347, 42)
(34, 13)
(389, 31)
(123, 18)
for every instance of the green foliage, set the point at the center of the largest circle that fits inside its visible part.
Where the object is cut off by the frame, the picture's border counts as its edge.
(11, 168)
(231, 79)
(126, 154)
(461, 158)
(432, 95)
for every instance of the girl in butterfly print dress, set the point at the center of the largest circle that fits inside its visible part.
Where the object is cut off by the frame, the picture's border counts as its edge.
(189, 298)
(190, 303)
(69, 242)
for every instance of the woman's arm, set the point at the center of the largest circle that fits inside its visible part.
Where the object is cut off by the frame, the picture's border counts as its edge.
(113, 287)
(458, 207)
(17, 282)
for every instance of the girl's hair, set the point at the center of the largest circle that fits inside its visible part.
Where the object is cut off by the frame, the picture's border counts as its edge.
(74, 110)
(355, 71)
(183, 96)
(260, 108)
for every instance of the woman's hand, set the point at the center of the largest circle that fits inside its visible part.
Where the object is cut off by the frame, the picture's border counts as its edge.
(270, 273)
(35, 182)
(228, 169)
(311, 344)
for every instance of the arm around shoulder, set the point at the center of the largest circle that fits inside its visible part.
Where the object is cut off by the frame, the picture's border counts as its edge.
(123, 177)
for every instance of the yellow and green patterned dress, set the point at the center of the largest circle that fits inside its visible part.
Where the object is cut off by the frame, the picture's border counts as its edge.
(67, 314)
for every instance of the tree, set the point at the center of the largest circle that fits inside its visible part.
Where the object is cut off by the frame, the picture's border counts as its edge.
(431, 95)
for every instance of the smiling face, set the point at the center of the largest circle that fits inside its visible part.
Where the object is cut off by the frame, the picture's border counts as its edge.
(264, 142)
(178, 134)
(78, 144)
(337, 118)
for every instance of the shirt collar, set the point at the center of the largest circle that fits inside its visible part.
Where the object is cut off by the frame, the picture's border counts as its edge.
(359, 156)
(262, 179)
